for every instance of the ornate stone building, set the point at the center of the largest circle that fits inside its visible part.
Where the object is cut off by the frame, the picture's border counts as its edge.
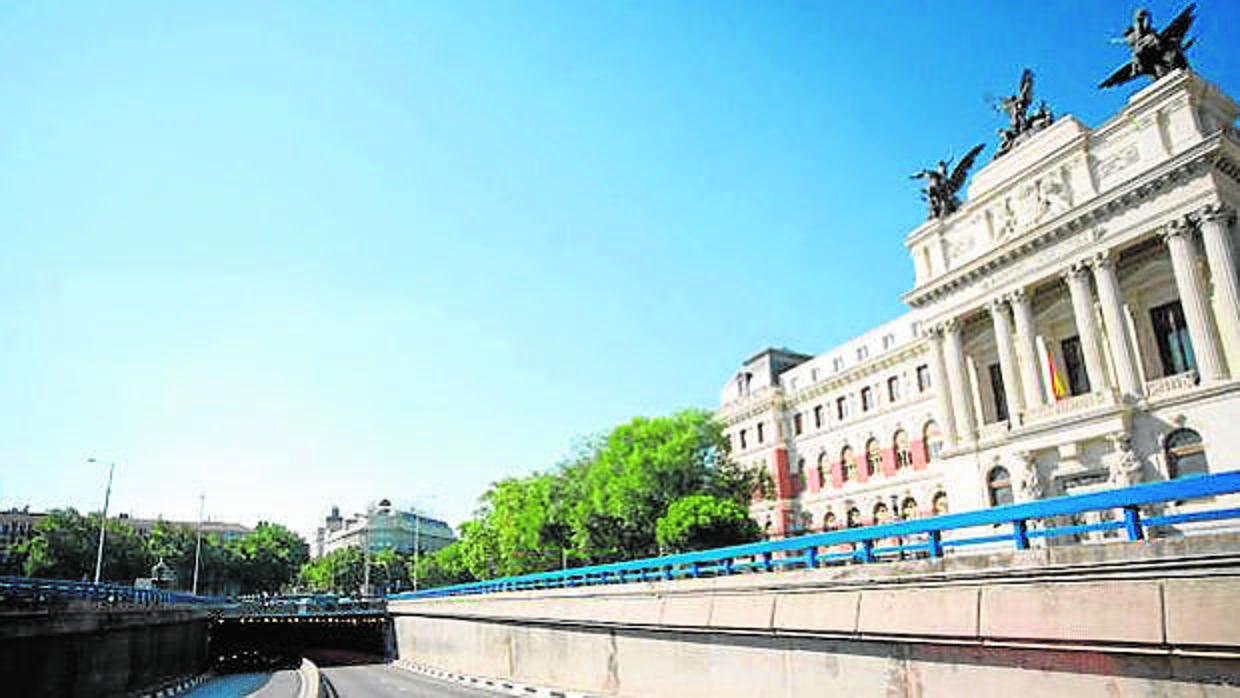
(381, 527)
(1075, 325)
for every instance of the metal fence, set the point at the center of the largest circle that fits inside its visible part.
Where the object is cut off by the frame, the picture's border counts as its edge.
(28, 590)
(1131, 511)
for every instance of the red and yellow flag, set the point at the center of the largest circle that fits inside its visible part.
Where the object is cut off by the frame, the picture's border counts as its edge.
(1057, 386)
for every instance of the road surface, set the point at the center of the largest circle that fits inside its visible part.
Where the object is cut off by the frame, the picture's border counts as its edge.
(280, 684)
(386, 680)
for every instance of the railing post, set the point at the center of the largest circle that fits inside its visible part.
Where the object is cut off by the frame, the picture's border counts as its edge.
(727, 566)
(811, 557)
(865, 553)
(768, 561)
(935, 546)
(1020, 534)
(667, 573)
(697, 569)
(1132, 523)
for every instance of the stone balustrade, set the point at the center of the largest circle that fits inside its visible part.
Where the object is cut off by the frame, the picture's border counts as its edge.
(1171, 385)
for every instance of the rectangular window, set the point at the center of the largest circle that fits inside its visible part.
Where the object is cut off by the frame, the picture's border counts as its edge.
(1074, 360)
(813, 375)
(862, 353)
(893, 388)
(796, 423)
(841, 408)
(889, 341)
(923, 378)
(867, 399)
(743, 444)
(837, 364)
(818, 416)
(760, 438)
(1175, 350)
(1000, 395)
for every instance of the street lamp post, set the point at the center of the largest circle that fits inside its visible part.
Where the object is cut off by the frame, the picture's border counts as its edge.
(103, 520)
(202, 505)
(366, 554)
(417, 545)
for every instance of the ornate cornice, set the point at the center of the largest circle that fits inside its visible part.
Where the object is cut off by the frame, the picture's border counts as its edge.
(875, 365)
(1197, 160)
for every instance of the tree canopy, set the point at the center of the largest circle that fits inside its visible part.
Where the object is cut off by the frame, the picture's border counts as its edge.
(64, 545)
(603, 504)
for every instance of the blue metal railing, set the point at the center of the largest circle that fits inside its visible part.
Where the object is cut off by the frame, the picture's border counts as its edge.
(39, 591)
(1019, 523)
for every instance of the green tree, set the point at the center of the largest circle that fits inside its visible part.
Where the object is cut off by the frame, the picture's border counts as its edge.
(339, 571)
(641, 468)
(443, 567)
(269, 558)
(704, 521)
(603, 503)
(65, 543)
(175, 545)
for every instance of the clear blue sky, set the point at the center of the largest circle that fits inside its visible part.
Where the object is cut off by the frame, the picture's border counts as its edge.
(309, 253)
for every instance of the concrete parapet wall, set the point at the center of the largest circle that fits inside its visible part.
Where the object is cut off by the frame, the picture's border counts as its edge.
(1150, 619)
(84, 649)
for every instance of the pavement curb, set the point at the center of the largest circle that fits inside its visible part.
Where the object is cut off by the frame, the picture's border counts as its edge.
(510, 687)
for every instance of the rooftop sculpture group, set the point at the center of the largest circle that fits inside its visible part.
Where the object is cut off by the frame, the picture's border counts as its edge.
(1154, 53)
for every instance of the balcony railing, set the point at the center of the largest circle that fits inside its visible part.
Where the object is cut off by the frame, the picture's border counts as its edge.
(918, 537)
(1171, 385)
(1069, 405)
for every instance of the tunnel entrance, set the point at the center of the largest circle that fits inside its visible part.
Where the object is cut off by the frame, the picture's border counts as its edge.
(249, 643)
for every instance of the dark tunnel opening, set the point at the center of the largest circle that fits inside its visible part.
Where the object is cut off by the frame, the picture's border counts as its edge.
(254, 643)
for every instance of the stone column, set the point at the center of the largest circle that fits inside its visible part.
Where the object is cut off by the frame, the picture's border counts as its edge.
(942, 392)
(1117, 329)
(1216, 223)
(1178, 236)
(1077, 277)
(962, 401)
(1007, 360)
(1027, 348)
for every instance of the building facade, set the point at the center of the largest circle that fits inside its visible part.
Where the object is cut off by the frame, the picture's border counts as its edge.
(383, 527)
(1075, 325)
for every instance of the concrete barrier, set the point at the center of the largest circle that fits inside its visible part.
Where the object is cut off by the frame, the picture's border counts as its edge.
(311, 680)
(1149, 619)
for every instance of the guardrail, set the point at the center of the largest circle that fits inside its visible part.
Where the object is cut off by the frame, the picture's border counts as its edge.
(34, 590)
(919, 537)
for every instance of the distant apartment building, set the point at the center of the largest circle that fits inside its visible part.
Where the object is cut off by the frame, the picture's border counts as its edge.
(16, 526)
(381, 527)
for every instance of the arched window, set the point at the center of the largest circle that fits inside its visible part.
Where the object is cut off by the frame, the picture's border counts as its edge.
(908, 509)
(798, 478)
(999, 485)
(933, 440)
(1185, 454)
(904, 455)
(828, 521)
(822, 469)
(806, 521)
(848, 465)
(873, 458)
(854, 517)
(939, 504)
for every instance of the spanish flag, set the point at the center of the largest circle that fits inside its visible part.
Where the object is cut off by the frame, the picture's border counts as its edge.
(1057, 386)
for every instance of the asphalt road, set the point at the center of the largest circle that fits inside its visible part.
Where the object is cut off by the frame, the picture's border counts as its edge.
(280, 684)
(385, 680)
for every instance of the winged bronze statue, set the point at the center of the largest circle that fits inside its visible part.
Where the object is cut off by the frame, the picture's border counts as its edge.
(1154, 53)
(1020, 122)
(942, 185)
